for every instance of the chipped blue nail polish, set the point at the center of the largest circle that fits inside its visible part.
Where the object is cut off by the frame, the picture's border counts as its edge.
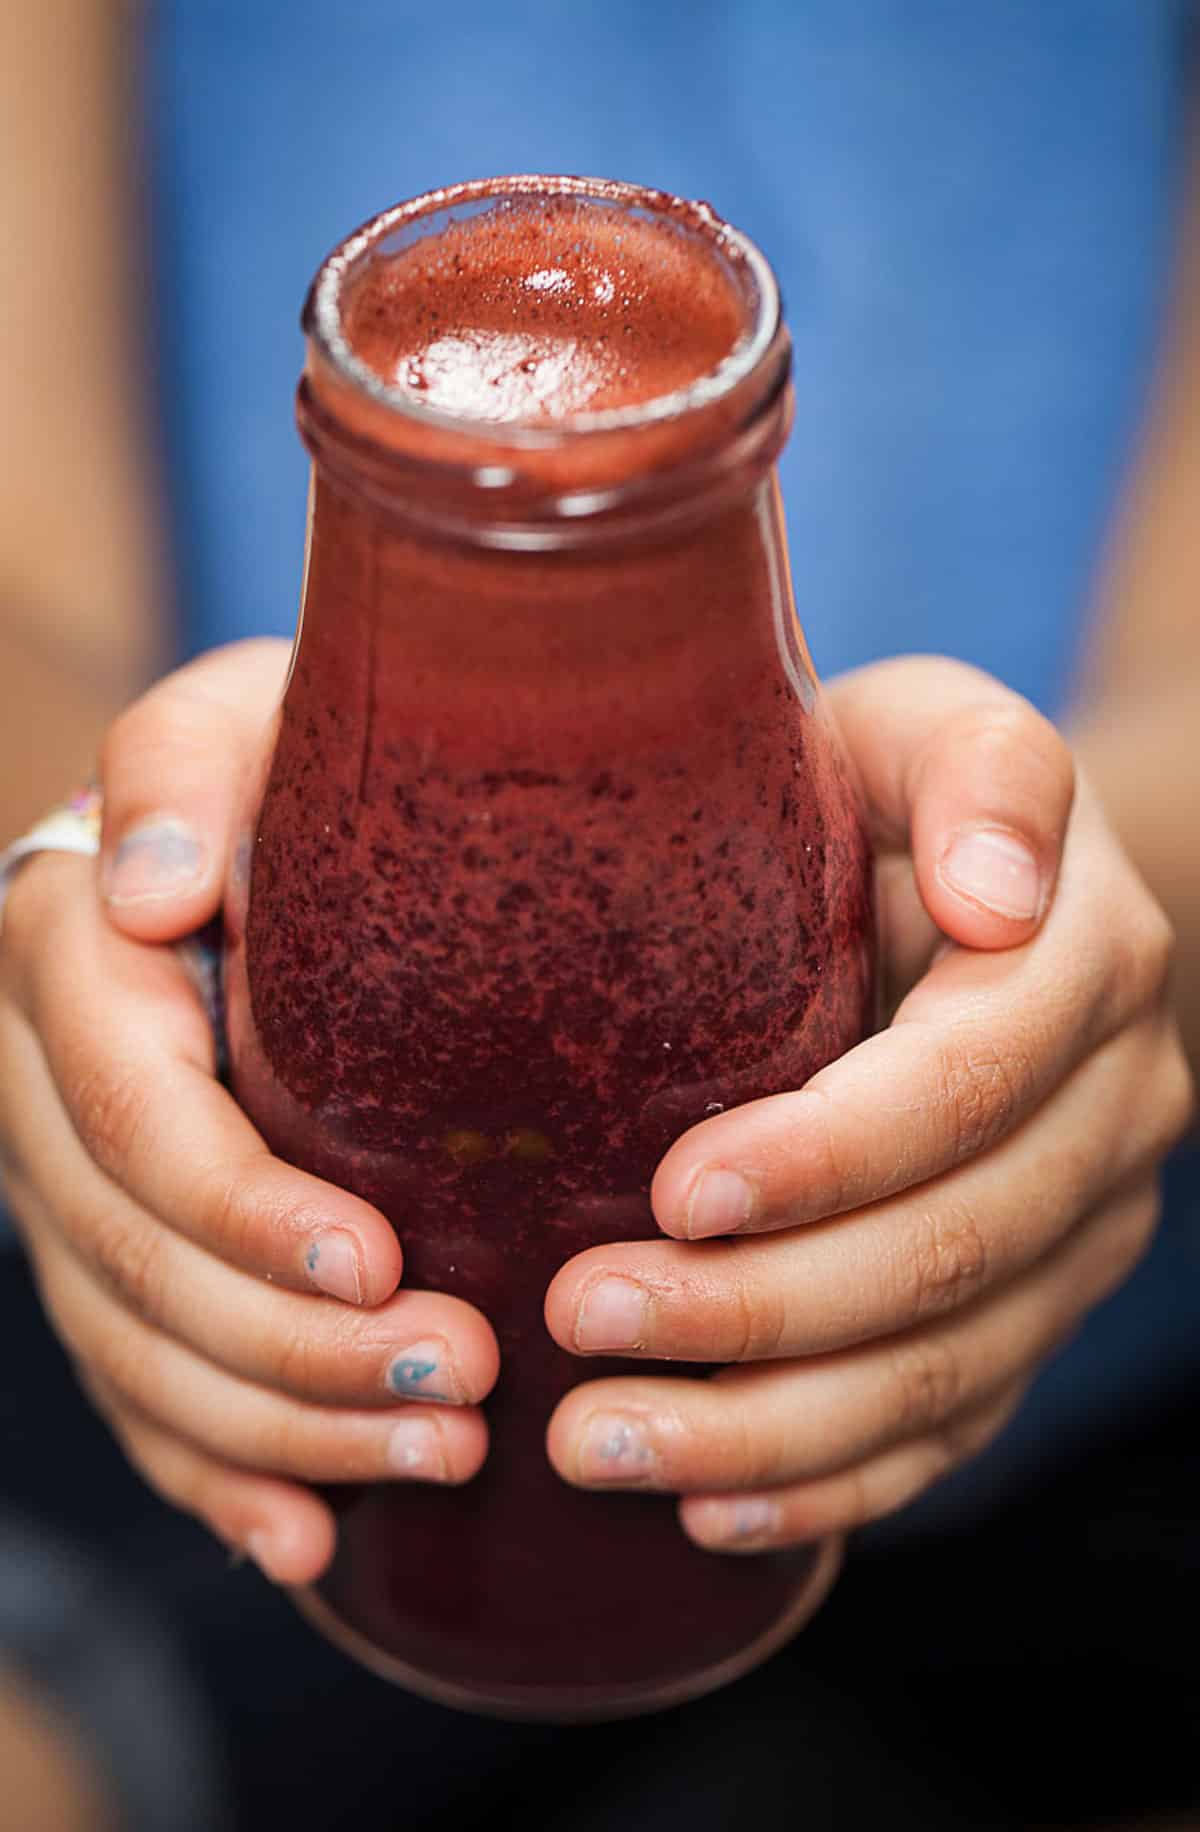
(411, 1375)
(616, 1446)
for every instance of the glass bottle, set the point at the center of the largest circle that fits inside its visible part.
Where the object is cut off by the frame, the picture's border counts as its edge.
(554, 853)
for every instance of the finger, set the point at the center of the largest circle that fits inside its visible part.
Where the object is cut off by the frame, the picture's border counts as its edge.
(773, 1519)
(763, 1426)
(246, 1425)
(973, 1051)
(286, 1529)
(130, 1052)
(173, 770)
(972, 780)
(417, 1346)
(896, 1263)
(913, 940)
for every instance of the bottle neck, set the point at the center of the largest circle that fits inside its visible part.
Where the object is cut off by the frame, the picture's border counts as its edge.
(566, 490)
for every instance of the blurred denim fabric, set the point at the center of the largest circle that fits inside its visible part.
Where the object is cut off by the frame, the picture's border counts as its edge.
(103, 1661)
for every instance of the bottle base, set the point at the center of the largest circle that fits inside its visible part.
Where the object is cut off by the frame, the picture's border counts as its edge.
(564, 1705)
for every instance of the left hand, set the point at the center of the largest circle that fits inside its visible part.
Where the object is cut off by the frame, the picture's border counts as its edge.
(918, 1227)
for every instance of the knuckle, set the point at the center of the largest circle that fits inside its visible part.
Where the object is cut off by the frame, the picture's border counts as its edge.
(1142, 948)
(738, 1453)
(286, 1440)
(753, 1320)
(947, 1262)
(760, 1458)
(960, 1439)
(131, 1262)
(297, 1360)
(109, 1105)
(927, 1383)
(997, 730)
(234, 1226)
(128, 1362)
(837, 1170)
(980, 1094)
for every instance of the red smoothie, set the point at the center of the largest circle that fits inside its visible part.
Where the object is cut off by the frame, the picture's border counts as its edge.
(556, 856)
(559, 307)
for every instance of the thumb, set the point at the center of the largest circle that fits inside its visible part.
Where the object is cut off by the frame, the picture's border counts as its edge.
(971, 780)
(173, 772)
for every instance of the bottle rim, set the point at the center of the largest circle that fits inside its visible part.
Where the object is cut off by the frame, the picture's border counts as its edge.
(322, 318)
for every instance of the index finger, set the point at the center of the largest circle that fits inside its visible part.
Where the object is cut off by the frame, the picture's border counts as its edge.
(131, 1052)
(968, 778)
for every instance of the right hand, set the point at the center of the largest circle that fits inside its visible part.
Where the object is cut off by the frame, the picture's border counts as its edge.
(236, 1320)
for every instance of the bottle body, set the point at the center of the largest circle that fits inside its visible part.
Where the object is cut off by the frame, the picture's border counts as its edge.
(556, 856)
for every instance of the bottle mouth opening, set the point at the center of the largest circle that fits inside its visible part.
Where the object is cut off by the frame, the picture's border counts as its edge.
(725, 251)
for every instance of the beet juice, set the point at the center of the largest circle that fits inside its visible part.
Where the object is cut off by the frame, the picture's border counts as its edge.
(556, 855)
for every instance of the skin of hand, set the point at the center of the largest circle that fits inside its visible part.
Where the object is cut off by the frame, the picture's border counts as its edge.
(876, 1263)
(172, 1251)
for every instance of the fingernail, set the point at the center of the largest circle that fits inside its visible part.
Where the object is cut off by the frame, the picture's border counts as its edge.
(616, 1447)
(996, 869)
(612, 1315)
(415, 1449)
(258, 1546)
(154, 862)
(733, 1523)
(425, 1371)
(332, 1264)
(721, 1202)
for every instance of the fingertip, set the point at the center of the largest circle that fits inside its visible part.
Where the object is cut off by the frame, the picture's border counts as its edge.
(337, 1264)
(729, 1523)
(160, 876)
(559, 1437)
(355, 1258)
(672, 1182)
(454, 1348)
(295, 1543)
(988, 887)
(465, 1444)
(561, 1305)
(605, 1409)
(486, 1365)
(991, 800)
(696, 1192)
(382, 1267)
